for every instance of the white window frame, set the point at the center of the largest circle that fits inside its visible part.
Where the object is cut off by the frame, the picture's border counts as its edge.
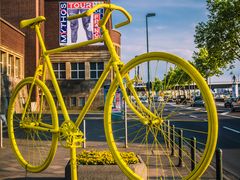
(58, 71)
(79, 100)
(96, 70)
(17, 67)
(78, 70)
(9, 64)
(71, 102)
(2, 62)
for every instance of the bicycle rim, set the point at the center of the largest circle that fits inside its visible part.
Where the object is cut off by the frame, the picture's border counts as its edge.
(32, 104)
(154, 142)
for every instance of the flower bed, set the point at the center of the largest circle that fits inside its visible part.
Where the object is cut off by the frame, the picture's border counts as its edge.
(104, 158)
(101, 165)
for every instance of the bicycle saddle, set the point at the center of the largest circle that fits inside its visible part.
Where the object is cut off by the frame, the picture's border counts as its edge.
(30, 22)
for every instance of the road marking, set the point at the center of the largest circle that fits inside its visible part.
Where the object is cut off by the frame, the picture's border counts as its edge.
(230, 129)
(224, 113)
(193, 116)
(237, 117)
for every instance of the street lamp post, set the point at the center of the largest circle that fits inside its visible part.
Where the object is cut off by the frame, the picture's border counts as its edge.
(148, 64)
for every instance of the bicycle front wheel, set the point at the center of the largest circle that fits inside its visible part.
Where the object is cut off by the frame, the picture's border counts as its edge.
(158, 114)
(33, 124)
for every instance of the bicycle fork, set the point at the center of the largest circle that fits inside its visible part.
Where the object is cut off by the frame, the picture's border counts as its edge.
(151, 119)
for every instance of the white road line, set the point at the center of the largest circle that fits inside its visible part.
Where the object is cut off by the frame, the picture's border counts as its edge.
(193, 116)
(237, 117)
(224, 113)
(230, 129)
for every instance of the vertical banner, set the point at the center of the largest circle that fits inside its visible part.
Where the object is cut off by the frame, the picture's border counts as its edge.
(81, 29)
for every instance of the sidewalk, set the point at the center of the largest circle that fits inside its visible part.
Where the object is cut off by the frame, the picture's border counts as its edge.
(10, 169)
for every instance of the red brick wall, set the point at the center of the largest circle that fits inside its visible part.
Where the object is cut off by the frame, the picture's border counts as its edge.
(116, 36)
(14, 11)
(11, 38)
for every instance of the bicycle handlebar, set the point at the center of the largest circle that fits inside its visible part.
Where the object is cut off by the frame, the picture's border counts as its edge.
(110, 8)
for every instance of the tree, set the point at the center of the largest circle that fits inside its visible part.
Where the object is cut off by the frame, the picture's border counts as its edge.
(220, 35)
(206, 65)
(157, 85)
(176, 77)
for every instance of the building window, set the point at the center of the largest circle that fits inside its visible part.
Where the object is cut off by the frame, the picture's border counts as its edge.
(81, 102)
(17, 67)
(1, 62)
(59, 70)
(4, 62)
(73, 101)
(10, 70)
(78, 70)
(96, 69)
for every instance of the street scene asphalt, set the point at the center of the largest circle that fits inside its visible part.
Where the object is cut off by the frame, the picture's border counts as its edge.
(10, 169)
(228, 141)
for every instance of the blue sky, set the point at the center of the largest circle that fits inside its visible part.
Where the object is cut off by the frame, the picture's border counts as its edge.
(171, 30)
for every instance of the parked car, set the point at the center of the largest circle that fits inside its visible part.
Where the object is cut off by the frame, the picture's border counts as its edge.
(143, 99)
(236, 104)
(181, 99)
(158, 99)
(197, 102)
(228, 102)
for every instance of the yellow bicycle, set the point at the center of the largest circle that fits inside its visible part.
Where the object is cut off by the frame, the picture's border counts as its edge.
(34, 129)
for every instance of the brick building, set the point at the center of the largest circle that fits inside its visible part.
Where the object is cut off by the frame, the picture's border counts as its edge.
(12, 45)
(77, 71)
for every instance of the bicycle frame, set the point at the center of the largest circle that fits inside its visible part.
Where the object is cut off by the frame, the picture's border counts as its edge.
(113, 62)
(70, 136)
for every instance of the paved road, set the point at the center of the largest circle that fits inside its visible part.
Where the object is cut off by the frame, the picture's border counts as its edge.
(229, 134)
(229, 130)
(229, 140)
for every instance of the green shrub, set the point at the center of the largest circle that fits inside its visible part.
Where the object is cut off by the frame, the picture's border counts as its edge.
(104, 158)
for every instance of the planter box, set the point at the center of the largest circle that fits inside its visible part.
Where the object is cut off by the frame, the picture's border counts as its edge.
(105, 172)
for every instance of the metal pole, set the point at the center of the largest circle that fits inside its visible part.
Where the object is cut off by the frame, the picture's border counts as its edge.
(73, 162)
(1, 134)
(180, 146)
(173, 140)
(168, 133)
(126, 126)
(84, 134)
(193, 152)
(219, 170)
(148, 64)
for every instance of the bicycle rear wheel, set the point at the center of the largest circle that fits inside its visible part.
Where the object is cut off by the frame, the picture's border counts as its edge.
(165, 108)
(33, 124)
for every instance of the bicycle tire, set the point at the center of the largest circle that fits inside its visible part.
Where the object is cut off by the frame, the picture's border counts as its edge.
(34, 149)
(114, 136)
